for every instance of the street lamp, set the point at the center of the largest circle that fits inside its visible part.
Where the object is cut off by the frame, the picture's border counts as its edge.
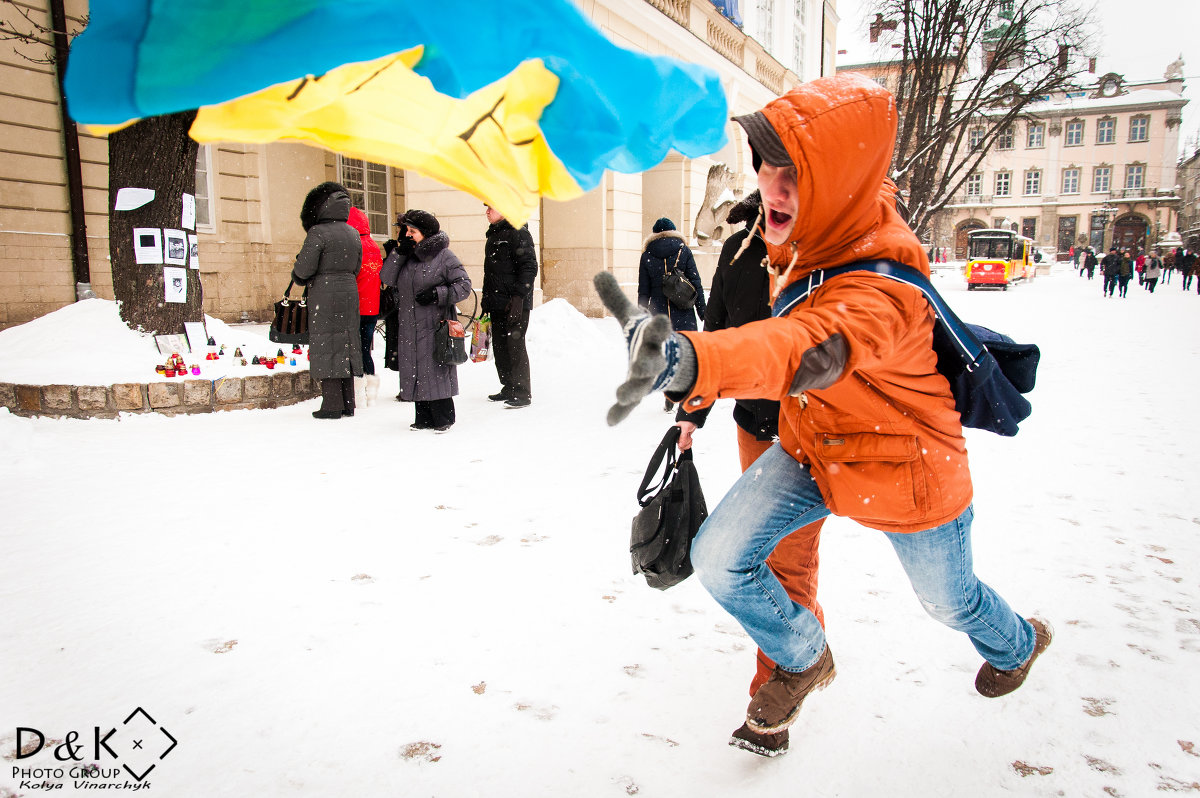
(1106, 212)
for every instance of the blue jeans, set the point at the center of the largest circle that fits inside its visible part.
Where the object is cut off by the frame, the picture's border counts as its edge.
(777, 496)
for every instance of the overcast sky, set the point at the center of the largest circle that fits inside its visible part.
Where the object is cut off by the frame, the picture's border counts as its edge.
(1137, 39)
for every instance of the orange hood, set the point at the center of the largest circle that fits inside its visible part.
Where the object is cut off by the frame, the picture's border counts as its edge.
(840, 132)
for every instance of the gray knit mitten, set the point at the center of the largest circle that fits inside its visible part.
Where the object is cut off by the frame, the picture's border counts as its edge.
(659, 360)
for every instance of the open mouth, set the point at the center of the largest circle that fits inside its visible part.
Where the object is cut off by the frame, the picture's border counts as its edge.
(778, 219)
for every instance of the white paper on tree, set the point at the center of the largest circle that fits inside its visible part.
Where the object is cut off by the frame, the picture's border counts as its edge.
(189, 212)
(147, 245)
(175, 284)
(175, 245)
(193, 251)
(131, 198)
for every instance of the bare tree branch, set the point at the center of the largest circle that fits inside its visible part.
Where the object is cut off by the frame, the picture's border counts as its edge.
(965, 65)
(28, 31)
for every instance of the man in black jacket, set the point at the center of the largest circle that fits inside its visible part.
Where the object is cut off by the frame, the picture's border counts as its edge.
(509, 271)
(1111, 268)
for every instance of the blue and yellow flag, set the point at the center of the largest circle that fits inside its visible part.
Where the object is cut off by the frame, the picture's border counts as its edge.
(506, 99)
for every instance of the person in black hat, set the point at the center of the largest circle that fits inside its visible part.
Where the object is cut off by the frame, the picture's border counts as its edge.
(664, 252)
(1110, 267)
(430, 281)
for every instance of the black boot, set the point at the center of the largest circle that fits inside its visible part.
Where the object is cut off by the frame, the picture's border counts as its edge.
(331, 399)
(347, 396)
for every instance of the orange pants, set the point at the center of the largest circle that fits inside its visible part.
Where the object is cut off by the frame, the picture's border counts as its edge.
(794, 561)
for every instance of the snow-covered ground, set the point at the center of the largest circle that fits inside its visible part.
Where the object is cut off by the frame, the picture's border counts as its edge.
(319, 608)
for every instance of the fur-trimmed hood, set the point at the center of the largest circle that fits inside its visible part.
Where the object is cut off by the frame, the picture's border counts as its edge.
(664, 235)
(328, 202)
(431, 246)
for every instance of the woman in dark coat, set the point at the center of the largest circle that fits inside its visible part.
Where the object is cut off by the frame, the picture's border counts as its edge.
(328, 262)
(666, 251)
(431, 278)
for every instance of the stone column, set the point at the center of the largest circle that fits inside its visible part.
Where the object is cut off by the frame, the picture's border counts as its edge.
(600, 231)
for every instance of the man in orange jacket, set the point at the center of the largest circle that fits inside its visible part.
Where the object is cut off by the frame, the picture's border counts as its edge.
(867, 425)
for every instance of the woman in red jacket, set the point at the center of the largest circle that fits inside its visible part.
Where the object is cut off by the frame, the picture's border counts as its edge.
(368, 298)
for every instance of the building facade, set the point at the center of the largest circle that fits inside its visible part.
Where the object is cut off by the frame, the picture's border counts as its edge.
(1188, 180)
(249, 195)
(1092, 165)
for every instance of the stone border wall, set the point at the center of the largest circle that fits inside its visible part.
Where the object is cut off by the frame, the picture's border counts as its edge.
(167, 398)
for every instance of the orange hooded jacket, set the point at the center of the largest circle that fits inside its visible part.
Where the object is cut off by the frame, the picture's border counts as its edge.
(882, 437)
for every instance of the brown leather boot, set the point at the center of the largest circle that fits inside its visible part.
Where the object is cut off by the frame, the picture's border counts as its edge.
(747, 739)
(993, 683)
(777, 703)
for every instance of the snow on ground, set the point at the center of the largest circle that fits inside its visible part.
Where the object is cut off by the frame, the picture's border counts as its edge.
(87, 344)
(354, 608)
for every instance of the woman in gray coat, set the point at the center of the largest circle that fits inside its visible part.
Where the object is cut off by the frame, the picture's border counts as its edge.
(430, 278)
(327, 264)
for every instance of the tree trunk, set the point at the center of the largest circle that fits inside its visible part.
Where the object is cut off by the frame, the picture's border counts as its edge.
(155, 153)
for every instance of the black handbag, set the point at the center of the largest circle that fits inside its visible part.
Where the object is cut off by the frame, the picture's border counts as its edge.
(672, 512)
(290, 325)
(450, 337)
(678, 290)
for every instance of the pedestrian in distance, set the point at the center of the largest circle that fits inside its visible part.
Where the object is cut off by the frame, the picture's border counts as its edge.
(665, 251)
(431, 278)
(1090, 263)
(509, 274)
(328, 263)
(1153, 271)
(368, 304)
(1110, 268)
(1124, 274)
(740, 294)
(1187, 260)
(863, 409)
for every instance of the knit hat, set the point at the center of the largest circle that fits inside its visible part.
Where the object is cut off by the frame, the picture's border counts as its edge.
(663, 224)
(424, 221)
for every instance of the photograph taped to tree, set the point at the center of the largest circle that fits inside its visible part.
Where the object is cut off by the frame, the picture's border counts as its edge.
(176, 247)
(147, 245)
(174, 284)
(193, 251)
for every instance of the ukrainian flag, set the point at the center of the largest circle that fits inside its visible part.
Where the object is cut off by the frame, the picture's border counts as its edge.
(506, 99)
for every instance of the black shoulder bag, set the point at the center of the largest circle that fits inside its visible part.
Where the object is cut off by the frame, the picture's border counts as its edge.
(672, 512)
